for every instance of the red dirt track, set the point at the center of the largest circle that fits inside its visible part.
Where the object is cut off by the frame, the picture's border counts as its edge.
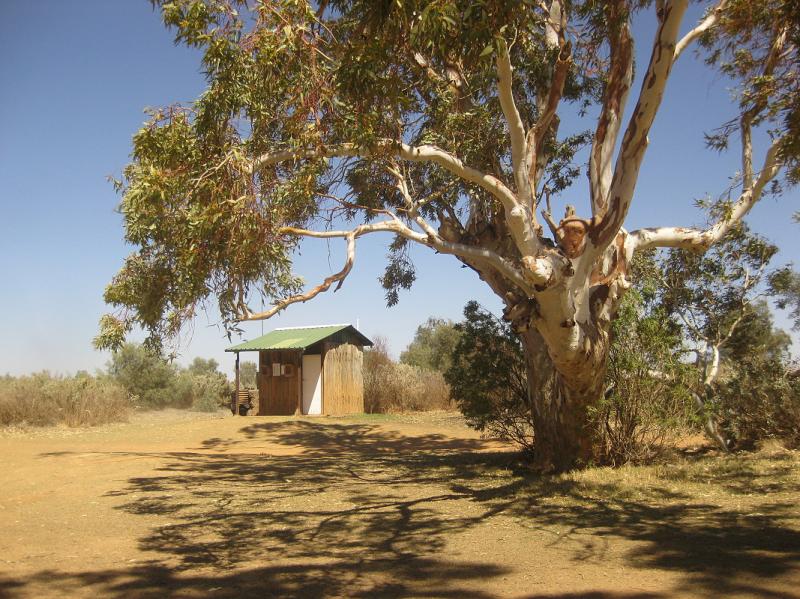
(190, 505)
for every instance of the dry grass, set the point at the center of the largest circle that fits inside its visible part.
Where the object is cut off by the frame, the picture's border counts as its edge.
(393, 387)
(707, 498)
(45, 400)
(727, 481)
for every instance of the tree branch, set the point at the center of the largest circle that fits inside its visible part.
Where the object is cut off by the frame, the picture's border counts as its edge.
(635, 141)
(312, 293)
(411, 205)
(547, 102)
(551, 224)
(691, 325)
(515, 127)
(711, 19)
(423, 153)
(701, 240)
(747, 151)
(518, 216)
(454, 79)
(615, 96)
(750, 114)
(432, 240)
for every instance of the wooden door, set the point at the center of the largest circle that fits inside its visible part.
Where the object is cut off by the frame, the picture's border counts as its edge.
(280, 376)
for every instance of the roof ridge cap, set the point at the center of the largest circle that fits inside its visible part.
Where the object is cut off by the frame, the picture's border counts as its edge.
(314, 326)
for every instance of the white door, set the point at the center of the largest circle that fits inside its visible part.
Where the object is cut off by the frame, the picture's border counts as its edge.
(312, 384)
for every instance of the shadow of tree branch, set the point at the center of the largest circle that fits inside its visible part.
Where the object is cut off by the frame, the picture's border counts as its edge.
(357, 511)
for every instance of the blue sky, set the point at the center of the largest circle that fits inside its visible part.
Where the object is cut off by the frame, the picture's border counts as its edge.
(74, 79)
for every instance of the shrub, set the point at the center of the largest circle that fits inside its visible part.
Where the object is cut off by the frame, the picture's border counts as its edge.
(377, 355)
(209, 392)
(148, 378)
(45, 400)
(203, 366)
(374, 358)
(647, 404)
(179, 392)
(488, 377)
(643, 412)
(247, 375)
(154, 383)
(760, 400)
(433, 345)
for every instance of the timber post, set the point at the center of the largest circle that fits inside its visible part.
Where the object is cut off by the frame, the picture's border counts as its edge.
(299, 410)
(236, 400)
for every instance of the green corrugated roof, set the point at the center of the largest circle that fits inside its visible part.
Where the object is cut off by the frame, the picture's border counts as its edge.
(294, 338)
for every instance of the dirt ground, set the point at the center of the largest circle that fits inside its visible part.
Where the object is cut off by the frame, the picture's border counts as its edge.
(175, 504)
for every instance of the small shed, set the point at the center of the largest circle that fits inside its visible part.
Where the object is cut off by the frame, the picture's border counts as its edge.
(308, 370)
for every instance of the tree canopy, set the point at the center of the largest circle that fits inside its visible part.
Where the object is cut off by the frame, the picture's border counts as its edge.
(315, 111)
(433, 345)
(438, 121)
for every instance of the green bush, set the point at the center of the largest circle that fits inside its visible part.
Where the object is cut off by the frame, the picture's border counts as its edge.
(44, 400)
(247, 375)
(180, 391)
(154, 383)
(209, 392)
(647, 405)
(761, 400)
(433, 345)
(488, 377)
(147, 377)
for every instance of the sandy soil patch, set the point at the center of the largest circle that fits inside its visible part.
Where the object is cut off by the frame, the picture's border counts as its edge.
(176, 504)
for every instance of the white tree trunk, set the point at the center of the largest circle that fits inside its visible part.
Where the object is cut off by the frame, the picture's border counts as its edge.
(710, 374)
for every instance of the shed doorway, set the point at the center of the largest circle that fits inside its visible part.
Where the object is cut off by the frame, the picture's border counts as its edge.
(312, 384)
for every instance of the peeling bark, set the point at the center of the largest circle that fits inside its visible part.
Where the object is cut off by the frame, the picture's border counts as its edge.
(615, 96)
(560, 413)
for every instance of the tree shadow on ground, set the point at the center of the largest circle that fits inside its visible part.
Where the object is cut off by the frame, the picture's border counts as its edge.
(360, 511)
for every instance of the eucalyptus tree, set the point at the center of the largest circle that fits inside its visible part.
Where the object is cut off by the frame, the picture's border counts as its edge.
(785, 287)
(718, 297)
(438, 122)
(432, 346)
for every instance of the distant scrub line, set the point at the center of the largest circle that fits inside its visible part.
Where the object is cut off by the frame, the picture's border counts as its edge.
(135, 379)
(476, 366)
(46, 400)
